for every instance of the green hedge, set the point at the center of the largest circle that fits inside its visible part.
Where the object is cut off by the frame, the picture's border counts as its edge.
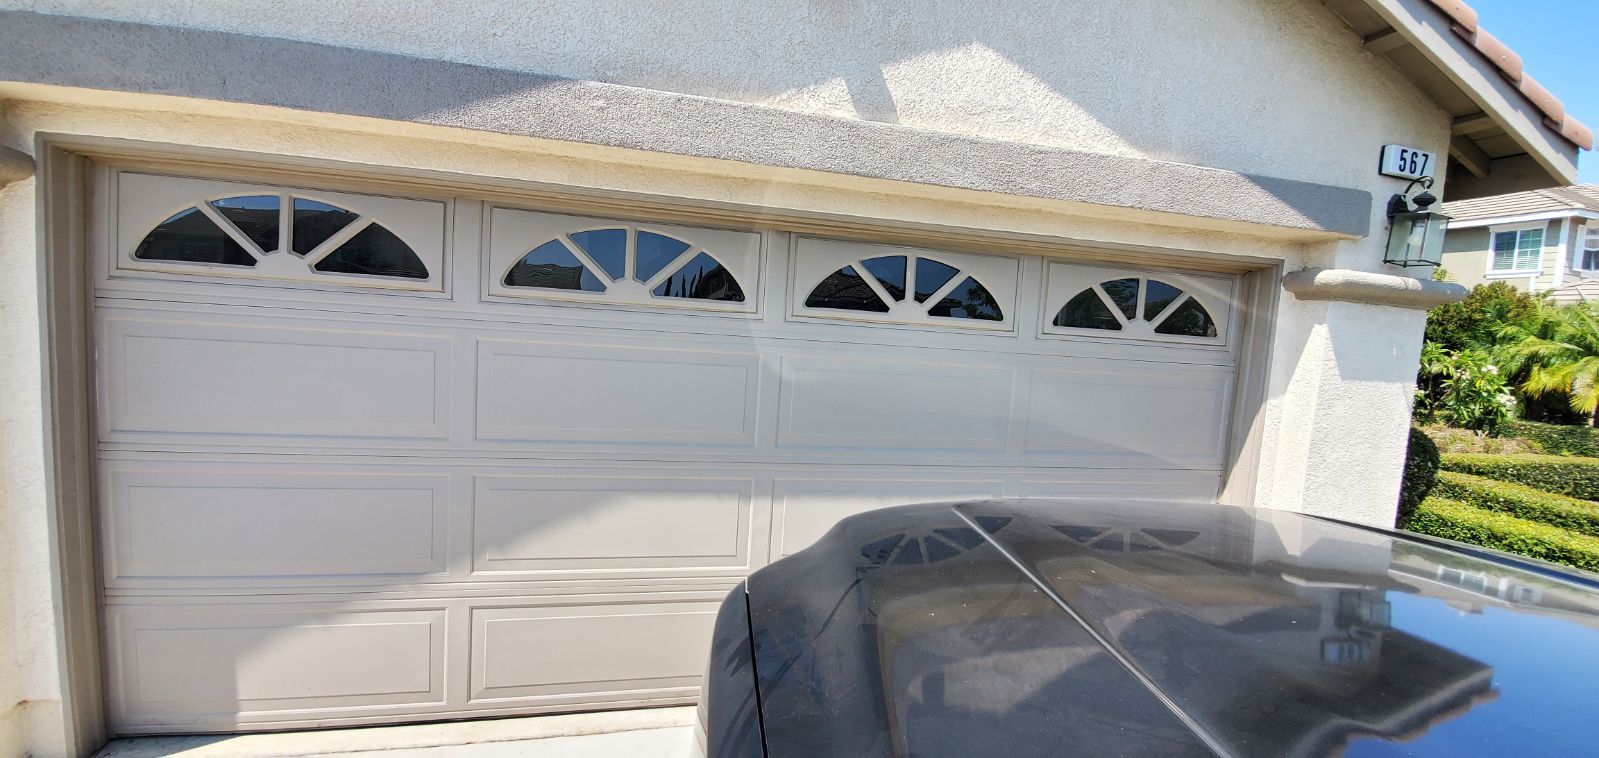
(1460, 522)
(1519, 500)
(1562, 475)
(1421, 471)
(1556, 439)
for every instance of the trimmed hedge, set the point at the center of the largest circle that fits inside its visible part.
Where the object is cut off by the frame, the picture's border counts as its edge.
(1562, 475)
(1460, 522)
(1421, 470)
(1520, 501)
(1556, 439)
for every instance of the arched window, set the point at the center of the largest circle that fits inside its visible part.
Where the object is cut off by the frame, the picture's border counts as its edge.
(625, 261)
(244, 230)
(1137, 305)
(912, 284)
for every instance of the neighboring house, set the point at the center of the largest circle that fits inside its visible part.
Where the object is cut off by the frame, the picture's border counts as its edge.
(1543, 240)
(367, 366)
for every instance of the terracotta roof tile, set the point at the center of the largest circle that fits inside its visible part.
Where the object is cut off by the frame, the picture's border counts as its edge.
(1462, 14)
(1463, 21)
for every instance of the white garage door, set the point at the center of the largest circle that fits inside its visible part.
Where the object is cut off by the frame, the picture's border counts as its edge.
(370, 458)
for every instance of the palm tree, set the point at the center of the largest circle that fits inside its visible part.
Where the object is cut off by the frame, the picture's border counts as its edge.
(1556, 350)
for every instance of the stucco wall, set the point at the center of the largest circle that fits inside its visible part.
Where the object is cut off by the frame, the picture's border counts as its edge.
(1277, 88)
(1240, 84)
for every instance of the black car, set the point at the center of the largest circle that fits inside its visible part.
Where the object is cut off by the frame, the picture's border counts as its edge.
(1023, 628)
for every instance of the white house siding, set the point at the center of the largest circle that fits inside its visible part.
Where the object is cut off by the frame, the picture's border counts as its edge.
(1252, 92)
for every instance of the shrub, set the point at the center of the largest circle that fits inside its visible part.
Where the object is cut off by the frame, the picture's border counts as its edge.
(1476, 321)
(1520, 501)
(1559, 440)
(1421, 470)
(1562, 475)
(1463, 523)
(1463, 388)
(1452, 440)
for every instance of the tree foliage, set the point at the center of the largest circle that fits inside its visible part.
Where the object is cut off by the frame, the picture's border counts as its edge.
(1555, 350)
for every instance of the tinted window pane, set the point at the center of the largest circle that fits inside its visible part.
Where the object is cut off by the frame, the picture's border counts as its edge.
(1189, 320)
(968, 300)
(255, 215)
(373, 251)
(193, 237)
(552, 266)
(845, 290)
(655, 251)
(702, 278)
(1087, 311)
(607, 247)
(315, 222)
(1157, 297)
(1124, 293)
(890, 272)
(930, 275)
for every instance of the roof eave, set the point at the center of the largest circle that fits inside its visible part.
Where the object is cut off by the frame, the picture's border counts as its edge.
(1427, 29)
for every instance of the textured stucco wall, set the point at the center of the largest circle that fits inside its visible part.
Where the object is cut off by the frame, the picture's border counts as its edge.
(1248, 85)
(29, 688)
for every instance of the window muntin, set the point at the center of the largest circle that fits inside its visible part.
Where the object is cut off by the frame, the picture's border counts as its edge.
(1161, 306)
(180, 226)
(838, 280)
(1516, 249)
(571, 258)
(252, 224)
(1129, 302)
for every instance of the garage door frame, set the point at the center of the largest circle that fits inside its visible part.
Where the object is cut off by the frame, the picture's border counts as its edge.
(64, 281)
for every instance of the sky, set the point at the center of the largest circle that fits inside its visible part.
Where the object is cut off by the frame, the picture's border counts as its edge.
(1557, 41)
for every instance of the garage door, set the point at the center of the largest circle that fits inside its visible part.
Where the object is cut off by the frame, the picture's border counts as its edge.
(367, 456)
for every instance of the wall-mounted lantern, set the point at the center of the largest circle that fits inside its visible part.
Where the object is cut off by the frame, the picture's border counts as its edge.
(1415, 233)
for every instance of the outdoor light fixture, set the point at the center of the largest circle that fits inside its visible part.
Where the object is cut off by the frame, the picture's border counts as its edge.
(1415, 234)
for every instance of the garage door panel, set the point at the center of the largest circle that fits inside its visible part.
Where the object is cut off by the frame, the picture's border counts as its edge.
(235, 663)
(209, 524)
(864, 403)
(221, 378)
(552, 523)
(804, 509)
(1201, 486)
(613, 393)
(526, 653)
(1164, 415)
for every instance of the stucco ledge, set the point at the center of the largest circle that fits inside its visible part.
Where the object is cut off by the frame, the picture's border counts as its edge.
(1366, 287)
(15, 166)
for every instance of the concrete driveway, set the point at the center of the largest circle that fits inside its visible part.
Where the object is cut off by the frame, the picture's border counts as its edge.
(664, 732)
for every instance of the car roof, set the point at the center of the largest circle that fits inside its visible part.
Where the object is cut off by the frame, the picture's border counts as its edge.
(1016, 626)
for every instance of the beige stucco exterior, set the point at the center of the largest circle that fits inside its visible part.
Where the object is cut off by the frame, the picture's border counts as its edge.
(1280, 89)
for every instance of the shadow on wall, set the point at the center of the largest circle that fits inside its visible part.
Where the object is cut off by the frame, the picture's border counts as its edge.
(1192, 82)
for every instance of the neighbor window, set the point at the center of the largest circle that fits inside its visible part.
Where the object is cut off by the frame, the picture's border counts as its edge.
(1517, 249)
(1588, 254)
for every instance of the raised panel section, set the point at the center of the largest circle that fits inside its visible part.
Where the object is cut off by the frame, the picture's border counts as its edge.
(859, 403)
(176, 665)
(534, 653)
(537, 523)
(215, 524)
(804, 509)
(608, 393)
(208, 378)
(1152, 414)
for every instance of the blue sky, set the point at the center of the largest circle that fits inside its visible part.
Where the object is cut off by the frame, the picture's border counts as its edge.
(1556, 39)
